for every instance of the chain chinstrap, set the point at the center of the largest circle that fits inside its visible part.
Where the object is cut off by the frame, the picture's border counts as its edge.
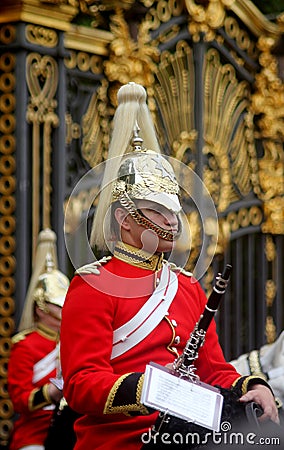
(130, 206)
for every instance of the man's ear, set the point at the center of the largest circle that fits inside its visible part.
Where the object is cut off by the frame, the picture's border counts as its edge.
(122, 218)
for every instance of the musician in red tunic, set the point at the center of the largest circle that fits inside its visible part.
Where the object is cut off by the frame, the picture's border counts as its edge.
(35, 353)
(134, 307)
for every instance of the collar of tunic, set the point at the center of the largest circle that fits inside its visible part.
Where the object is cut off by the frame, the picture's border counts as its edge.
(138, 257)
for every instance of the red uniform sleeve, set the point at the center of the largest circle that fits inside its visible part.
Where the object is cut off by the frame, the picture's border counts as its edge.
(86, 346)
(20, 373)
(25, 395)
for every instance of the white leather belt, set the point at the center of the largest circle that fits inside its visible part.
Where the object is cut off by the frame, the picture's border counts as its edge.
(149, 316)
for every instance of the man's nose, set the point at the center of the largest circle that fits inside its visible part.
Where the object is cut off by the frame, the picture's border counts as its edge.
(171, 218)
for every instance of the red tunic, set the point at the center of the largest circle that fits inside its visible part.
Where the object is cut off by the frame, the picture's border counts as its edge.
(95, 306)
(28, 397)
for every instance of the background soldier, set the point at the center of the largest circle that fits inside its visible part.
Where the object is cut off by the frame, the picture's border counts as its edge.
(34, 354)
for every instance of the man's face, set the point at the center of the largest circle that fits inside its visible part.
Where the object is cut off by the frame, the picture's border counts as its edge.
(52, 318)
(142, 237)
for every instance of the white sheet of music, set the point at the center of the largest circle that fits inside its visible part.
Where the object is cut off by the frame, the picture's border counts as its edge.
(194, 402)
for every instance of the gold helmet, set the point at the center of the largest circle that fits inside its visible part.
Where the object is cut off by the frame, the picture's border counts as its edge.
(46, 280)
(147, 175)
(52, 286)
(134, 172)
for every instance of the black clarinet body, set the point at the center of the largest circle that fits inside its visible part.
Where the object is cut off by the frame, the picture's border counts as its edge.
(184, 365)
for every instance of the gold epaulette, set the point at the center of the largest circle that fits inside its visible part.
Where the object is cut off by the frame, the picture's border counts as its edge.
(92, 268)
(175, 268)
(21, 335)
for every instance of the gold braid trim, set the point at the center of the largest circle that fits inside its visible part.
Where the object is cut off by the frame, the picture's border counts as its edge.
(46, 400)
(236, 381)
(108, 409)
(125, 409)
(21, 335)
(243, 383)
(40, 328)
(138, 257)
(140, 383)
(47, 332)
(46, 393)
(254, 364)
(247, 380)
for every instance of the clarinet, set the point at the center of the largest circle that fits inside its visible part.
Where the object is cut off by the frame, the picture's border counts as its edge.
(184, 364)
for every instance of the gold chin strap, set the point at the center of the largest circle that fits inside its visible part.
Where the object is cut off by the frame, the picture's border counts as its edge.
(40, 300)
(55, 316)
(140, 219)
(44, 305)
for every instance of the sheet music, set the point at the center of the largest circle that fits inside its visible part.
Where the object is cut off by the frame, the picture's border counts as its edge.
(194, 402)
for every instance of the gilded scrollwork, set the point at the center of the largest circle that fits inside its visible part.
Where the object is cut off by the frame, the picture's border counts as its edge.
(223, 241)
(184, 141)
(274, 215)
(270, 287)
(270, 330)
(42, 80)
(245, 217)
(7, 34)
(130, 60)
(135, 60)
(162, 12)
(232, 222)
(174, 94)
(232, 163)
(267, 106)
(84, 62)
(76, 206)
(95, 127)
(242, 38)
(41, 36)
(193, 241)
(206, 17)
(268, 100)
